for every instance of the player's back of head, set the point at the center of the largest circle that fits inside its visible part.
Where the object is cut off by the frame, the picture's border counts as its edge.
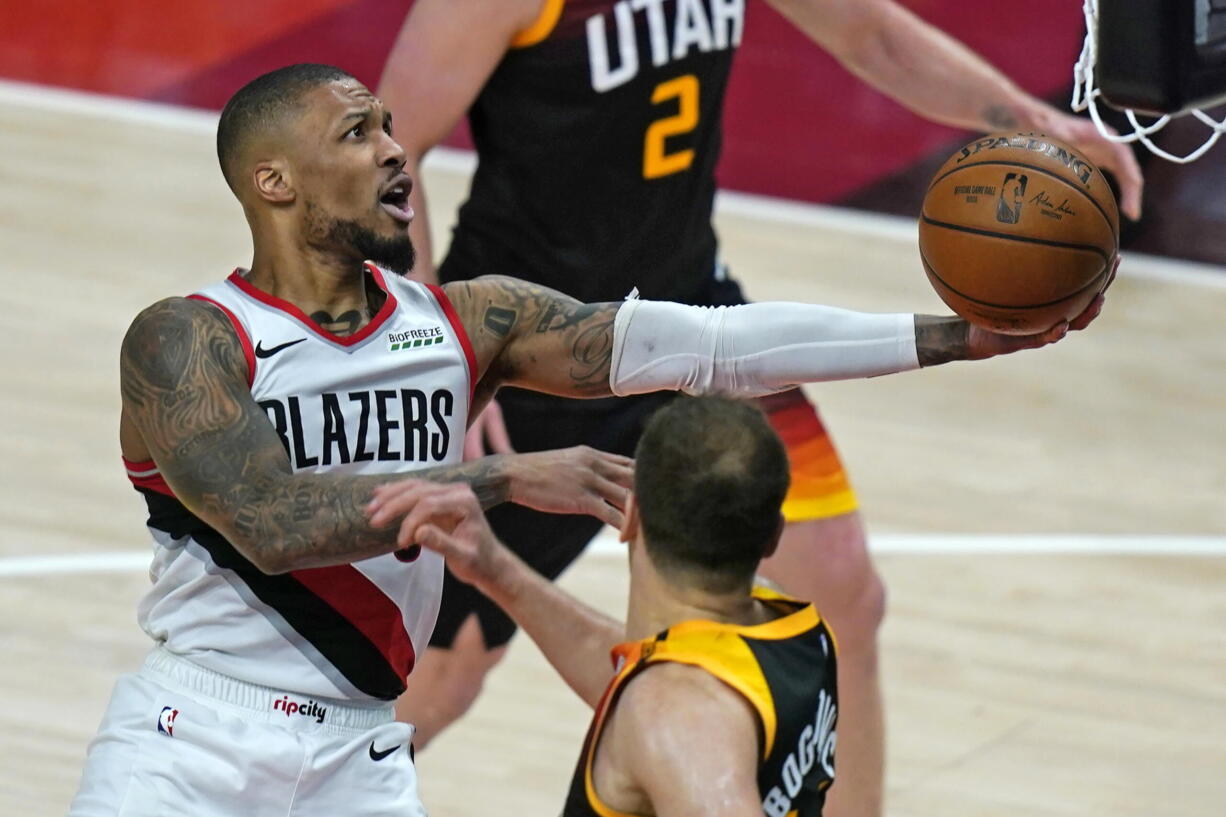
(710, 478)
(262, 106)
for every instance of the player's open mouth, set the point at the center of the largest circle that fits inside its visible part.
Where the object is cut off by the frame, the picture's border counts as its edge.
(395, 199)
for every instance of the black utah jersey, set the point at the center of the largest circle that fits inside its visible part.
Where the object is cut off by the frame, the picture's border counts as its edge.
(598, 136)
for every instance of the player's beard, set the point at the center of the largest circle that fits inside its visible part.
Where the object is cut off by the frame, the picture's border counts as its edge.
(392, 254)
(395, 255)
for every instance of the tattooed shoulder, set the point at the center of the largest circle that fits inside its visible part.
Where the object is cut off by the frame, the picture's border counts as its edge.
(166, 341)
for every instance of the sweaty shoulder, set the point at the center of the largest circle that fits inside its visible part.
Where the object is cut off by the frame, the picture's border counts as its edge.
(682, 741)
(670, 690)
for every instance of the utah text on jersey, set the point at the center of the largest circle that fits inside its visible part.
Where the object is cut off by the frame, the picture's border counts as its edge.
(689, 25)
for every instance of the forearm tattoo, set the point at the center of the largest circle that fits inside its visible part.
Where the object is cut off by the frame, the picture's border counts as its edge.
(998, 117)
(184, 384)
(940, 340)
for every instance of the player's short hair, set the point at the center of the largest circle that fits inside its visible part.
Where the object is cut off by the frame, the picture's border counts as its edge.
(710, 478)
(263, 104)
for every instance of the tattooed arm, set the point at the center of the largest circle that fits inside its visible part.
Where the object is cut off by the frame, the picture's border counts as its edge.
(184, 383)
(528, 335)
(943, 340)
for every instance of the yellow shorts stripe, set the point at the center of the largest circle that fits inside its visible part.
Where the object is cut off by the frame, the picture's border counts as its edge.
(820, 487)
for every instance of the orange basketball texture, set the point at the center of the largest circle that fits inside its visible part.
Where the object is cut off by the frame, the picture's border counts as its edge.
(1018, 232)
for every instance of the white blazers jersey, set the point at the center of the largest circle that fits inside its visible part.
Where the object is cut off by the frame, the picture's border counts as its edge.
(390, 399)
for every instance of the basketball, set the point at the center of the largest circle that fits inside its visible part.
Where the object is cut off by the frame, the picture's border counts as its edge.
(1018, 232)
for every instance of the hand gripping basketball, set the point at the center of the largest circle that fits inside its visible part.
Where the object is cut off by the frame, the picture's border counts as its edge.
(984, 343)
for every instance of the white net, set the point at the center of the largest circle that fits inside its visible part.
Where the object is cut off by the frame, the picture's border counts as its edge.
(1086, 95)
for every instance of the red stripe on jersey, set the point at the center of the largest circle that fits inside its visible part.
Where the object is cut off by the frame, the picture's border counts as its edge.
(243, 337)
(366, 607)
(153, 483)
(140, 476)
(387, 310)
(454, 319)
(139, 467)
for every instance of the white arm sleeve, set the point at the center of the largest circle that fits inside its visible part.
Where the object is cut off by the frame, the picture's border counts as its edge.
(754, 349)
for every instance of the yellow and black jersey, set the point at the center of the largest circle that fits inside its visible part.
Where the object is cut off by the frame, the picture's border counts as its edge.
(598, 135)
(784, 668)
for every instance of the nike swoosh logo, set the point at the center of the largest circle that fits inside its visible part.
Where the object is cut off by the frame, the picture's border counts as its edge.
(261, 352)
(374, 755)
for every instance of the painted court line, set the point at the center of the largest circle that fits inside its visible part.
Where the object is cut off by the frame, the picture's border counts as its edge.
(606, 545)
(127, 561)
(1016, 544)
(765, 208)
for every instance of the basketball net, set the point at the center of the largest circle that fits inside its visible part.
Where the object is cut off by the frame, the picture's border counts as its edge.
(1086, 94)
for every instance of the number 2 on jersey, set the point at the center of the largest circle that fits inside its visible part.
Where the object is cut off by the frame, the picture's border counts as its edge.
(656, 162)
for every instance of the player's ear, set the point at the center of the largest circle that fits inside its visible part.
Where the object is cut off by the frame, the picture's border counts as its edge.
(769, 551)
(630, 527)
(273, 182)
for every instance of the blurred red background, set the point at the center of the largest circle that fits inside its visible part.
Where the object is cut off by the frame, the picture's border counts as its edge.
(798, 125)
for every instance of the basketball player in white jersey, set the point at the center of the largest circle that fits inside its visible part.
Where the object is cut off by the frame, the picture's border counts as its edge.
(260, 414)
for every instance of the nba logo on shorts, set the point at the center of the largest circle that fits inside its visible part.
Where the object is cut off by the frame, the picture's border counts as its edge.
(166, 720)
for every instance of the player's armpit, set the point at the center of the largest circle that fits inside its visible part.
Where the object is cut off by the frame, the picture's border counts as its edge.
(680, 742)
(528, 335)
(185, 391)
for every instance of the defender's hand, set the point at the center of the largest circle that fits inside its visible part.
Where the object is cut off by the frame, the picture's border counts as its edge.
(1116, 157)
(489, 427)
(578, 480)
(447, 518)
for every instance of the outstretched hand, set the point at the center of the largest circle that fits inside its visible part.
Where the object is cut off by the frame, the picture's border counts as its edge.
(578, 480)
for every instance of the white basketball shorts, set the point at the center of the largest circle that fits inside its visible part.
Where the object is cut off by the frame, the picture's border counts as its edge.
(178, 739)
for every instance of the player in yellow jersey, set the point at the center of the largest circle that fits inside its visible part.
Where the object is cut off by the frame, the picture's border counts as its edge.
(722, 698)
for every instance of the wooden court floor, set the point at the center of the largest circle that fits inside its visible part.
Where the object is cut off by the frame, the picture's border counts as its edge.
(1051, 526)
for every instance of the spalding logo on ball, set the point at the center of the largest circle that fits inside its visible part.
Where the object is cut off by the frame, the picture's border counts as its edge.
(1018, 232)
